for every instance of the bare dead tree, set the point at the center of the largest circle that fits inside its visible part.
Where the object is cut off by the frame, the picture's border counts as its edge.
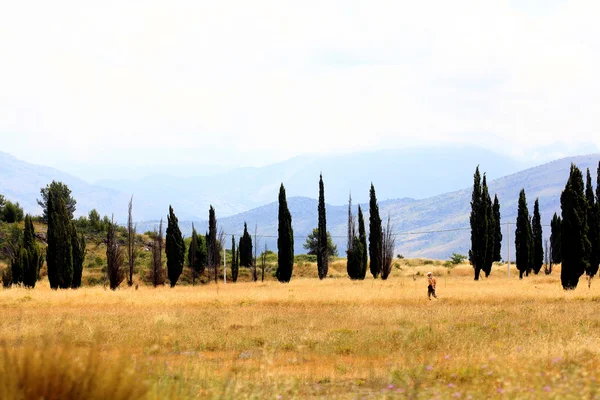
(157, 273)
(254, 272)
(193, 249)
(131, 250)
(547, 258)
(263, 262)
(389, 242)
(114, 257)
(220, 245)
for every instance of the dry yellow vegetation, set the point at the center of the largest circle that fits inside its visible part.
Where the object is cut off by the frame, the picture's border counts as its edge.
(496, 338)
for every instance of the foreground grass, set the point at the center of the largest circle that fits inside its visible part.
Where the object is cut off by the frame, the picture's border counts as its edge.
(497, 338)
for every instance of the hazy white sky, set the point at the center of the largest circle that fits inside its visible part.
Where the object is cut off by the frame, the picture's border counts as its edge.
(250, 82)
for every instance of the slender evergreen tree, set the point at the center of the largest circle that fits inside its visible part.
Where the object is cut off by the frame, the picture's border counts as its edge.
(245, 248)
(592, 221)
(555, 239)
(31, 256)
(362, 236)
(575, 245)
(538, 243)
(488, 212)
(174, 248)
(285, 240)
(78, 251)
(212, 245)
(355, 259)
(497, 230)
(479, 226)
(375, 235)
(114, 257)
(234, 260)
(523, 236)
(322, 250)
(59, 256)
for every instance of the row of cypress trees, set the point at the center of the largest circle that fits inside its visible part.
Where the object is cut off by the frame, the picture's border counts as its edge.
(579, 228)
(486, 231)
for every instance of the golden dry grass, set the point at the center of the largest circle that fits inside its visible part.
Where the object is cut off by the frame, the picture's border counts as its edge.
(496, 338)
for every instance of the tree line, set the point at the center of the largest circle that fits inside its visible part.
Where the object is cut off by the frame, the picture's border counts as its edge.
(66, 245)
(574, 238)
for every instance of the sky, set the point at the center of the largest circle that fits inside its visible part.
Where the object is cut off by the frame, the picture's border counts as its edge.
(90, 87)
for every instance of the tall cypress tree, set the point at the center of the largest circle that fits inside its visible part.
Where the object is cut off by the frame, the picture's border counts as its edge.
(322, 251)
(575, 245)
(245, 248)
(362, 236)
(497, 230)
(375, 235)
(479, 226)
(59, 256)
(488, 212)
(235, 255)
(31, 256)
(592, 220)
(212, 245)
(555, 239)
(538, 245)
(174, 248)
(285, 240)
(523, 236)
(78, 251)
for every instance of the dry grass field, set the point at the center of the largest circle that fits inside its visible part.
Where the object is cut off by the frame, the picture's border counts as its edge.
(496, 338)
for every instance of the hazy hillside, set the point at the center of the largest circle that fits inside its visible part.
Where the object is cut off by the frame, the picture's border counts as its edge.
(415, 173)
(21, 181)
(440, 213)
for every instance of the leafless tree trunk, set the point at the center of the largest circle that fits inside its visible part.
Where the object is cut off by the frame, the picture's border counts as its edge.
(219, 246)
(193, 249)
(389, 242)
(547, 258)
(114, 257)
(254, 272)
(263, 263)
(157, 272)
(131, 250)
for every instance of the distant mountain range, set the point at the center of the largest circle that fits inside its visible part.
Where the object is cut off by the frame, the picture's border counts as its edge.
(434, 227)
(415, 177)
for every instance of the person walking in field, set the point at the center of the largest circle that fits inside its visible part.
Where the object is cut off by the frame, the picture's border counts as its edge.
(431, 287)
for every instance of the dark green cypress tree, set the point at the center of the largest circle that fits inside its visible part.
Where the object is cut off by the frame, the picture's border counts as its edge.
(479, 226)
(575, 245)
(592, 221)
(488, 211)
(31, 254)
(174, 248)
(245, 248)
(234, 260)
(555, 239)
(523, 236)
(375, 235)
(497, 230)
(537, 234)
(59, 256)
(285, 240)
(362, 236)
(78, 251)
(198, 261)
(213, 246)
(322, 250)
(355, 259)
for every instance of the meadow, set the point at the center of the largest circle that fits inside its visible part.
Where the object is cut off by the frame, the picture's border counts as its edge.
(497, 338)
